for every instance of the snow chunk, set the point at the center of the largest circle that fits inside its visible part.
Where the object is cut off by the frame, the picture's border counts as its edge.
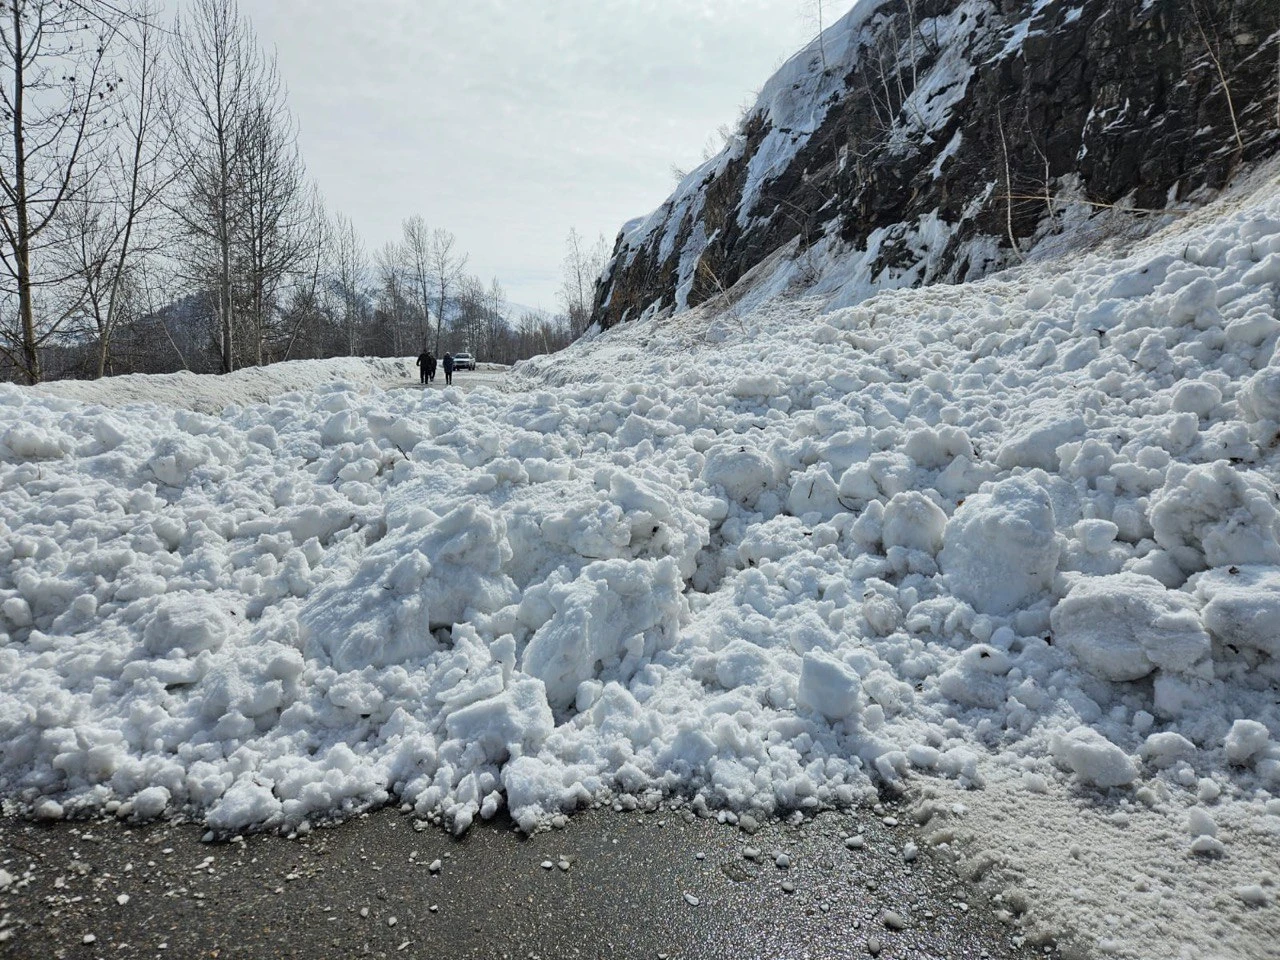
(1215, 515)
(150, 803)
(1198, 397)
(189, 624)
(1245, 740)
(1124, 626)
(742, 472)
(1166, 748)
(1037, 444)
(1242, 606)
(1093, 758)
(913, 521)
(385, 613)
(828, 686)
(1000, 549)
(610, 618)
(515, 722)
(1259, 403)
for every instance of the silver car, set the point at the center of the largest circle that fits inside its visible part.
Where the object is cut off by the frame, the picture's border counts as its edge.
(464, 361)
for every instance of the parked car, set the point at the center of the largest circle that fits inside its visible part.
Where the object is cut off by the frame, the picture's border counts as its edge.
(464, 361)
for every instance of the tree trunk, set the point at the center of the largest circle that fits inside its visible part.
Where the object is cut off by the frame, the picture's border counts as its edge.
(22, 249)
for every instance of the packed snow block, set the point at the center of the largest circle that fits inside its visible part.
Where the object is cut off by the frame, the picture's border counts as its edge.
(246, 803)
(604, 623)
(1242, 606)
(757, 386)
(1196, 396)
(150, 802)
(1093, 758)
(976, 678)
(933, 448)
(1164, 749)
(511, 724)
(743, 472)
(1244, 741)
(1036, 444)
(188, 623)
(409, 584)
(880, 477)
(1259, 404)
(1000, 548)
(1216, 515)
(176, 457)
(1124, 626)
(814, 492)
(31, 441)
(913, 521)
(828, 686)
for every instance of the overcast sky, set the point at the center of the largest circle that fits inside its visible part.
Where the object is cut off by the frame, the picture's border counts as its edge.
(511, 121)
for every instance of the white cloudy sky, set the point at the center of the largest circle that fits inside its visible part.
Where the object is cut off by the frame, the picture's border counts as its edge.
(511, 121)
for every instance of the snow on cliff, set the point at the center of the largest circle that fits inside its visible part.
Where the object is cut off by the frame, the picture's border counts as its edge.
(1010, 548)
(939, 140)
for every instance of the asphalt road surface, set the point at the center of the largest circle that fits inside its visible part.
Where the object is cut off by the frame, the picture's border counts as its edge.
(644, 885)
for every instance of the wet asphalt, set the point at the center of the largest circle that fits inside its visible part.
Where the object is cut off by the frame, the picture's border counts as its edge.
(661, 884)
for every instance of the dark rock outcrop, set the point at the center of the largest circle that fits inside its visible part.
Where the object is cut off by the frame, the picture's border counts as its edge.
(943, 137)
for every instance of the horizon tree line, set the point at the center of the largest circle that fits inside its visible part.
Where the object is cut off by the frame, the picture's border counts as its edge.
(156, 214)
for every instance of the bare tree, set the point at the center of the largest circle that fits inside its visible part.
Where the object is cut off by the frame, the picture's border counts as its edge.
(352, 269)
(416, 254)
(391, 293)
(583, 264)
(495, 320)
(816, 12)
(271, 242)
(305, 306)
(220, 74)
(113, 220)
(57, 84)
(446, 265)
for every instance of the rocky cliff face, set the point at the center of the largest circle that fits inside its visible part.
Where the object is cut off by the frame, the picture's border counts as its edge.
(938, 140)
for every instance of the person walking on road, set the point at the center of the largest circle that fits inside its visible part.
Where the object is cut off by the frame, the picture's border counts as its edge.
(448, 369)
(424, 367)
(431, 367)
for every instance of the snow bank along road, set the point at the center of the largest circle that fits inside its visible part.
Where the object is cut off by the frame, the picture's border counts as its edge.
(1012, 548)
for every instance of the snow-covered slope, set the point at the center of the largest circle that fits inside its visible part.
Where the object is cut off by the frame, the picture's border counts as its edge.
(1009, 548)
(938, 140)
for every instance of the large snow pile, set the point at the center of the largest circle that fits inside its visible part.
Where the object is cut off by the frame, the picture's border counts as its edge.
(208, 394)
(1012, 548)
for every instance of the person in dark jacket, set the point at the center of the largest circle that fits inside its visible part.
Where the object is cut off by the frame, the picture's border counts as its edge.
(424, 367)
(431, 366)
(448, 369)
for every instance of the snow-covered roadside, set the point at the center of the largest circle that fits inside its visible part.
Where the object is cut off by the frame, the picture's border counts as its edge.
(1014, 543)
(211, 394)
